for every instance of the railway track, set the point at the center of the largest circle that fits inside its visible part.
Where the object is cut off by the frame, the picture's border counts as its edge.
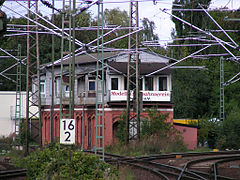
(16, 174)
(9, 172)
(223, 165)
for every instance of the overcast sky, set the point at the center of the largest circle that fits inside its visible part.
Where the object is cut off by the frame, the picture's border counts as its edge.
(147, 8)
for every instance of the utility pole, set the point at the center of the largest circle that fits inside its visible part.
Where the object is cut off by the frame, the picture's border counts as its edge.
(33, 68)
(133, 102)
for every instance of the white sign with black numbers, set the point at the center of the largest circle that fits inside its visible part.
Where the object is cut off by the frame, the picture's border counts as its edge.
(67, 131)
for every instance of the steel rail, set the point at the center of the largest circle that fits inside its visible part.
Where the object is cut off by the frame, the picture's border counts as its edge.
(215, 165)
(171, 167)
(190, 163)
(111, 158)
(161, 169)
(207, 174)
(173, 155)
(6, 174)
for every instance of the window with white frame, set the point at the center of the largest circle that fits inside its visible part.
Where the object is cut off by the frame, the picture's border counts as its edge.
(66, 89)
(57, 86)
(125, 83)
(148, 84)
(162, 81)
(91, 85)
(42, 87)
(114, 84)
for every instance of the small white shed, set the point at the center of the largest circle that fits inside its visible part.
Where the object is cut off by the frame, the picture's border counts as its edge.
(7, 111)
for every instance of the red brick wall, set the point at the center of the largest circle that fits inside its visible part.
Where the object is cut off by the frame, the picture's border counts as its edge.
(189, 136)
(111, 116)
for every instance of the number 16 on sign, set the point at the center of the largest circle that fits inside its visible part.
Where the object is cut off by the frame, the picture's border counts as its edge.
(67, 131)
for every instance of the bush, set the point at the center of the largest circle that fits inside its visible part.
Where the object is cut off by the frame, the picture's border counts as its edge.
(155, 125)
(43, 164)
(6, 143)
(208, 131)
(229, 132)
(157, 136)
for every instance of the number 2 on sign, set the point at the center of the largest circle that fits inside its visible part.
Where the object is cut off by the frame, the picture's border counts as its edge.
(68, 136)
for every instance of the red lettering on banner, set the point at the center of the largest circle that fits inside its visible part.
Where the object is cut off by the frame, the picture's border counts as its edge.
(148, 93)
(120, 93)
(156, 94)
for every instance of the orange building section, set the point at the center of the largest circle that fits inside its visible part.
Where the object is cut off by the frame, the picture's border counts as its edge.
(85, 125)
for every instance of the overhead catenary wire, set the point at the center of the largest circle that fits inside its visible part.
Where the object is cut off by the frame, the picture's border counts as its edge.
(221, 42)
(219, 26)
(200, 10)
(50, 23)
(170, 65)
(94, 48)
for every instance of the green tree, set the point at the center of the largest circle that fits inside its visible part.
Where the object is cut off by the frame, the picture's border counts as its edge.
(194, 17)
(190, 93)
(117, 17)
(229, 132)
(148, 30)
(208, 131)
(155, 124)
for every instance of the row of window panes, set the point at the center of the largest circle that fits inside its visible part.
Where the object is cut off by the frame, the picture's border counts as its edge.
(162, 84)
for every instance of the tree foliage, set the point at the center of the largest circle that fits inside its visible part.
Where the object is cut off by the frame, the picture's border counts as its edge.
(196, 93)
(155, 124)
(229, 131)
(148, 30)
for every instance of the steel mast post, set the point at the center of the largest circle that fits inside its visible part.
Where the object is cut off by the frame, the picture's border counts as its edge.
(100, 89)
(52, 81)
(33, 64)
(221, 115)
(133, 119)
(18, 98)
(67, 82)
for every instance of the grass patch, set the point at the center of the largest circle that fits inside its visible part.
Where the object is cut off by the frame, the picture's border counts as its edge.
(150, 145)
(201, 149)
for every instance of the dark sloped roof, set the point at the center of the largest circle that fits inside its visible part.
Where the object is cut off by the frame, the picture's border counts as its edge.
(91, 57)
(86, 58)
(145, 68)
